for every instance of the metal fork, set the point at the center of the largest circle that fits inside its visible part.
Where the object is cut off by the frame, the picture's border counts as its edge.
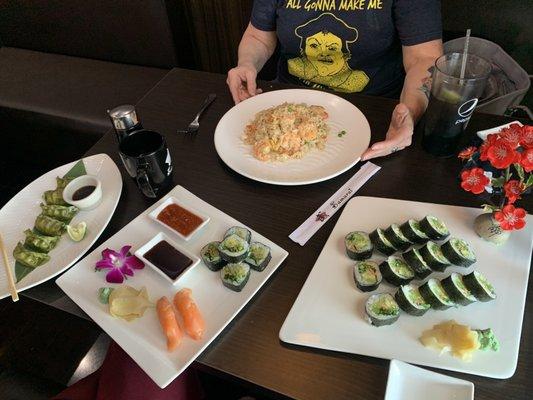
(195, 124)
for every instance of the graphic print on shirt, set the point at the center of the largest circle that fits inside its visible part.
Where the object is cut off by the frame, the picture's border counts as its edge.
(324, 55)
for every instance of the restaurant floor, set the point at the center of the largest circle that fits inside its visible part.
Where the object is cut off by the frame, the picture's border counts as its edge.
(38, 358)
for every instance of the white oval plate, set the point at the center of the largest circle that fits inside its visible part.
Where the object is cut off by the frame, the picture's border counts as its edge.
(20, 212)
(340, 154)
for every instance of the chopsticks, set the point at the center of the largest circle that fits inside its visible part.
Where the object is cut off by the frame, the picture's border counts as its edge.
(9, 273)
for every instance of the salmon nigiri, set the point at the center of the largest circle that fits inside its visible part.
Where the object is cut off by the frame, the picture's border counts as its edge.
(169, 323)
(192, 318)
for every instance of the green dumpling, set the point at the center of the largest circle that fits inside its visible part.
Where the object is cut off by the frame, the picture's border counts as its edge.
(54, 197)
(29, 258)
(49, 226)
(62, 213)
(40, 243)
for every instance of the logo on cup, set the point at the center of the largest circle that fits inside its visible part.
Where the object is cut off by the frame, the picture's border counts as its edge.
(467, 108)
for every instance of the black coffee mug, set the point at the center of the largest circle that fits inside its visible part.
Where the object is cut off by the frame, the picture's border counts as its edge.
(147, 159)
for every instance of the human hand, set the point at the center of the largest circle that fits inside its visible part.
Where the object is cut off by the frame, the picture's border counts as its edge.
(242, 82)
(399, 135)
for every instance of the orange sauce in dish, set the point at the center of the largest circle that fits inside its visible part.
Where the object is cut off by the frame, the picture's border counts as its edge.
(179, 219)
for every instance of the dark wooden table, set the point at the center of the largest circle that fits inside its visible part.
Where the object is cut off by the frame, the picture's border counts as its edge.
(249, 349)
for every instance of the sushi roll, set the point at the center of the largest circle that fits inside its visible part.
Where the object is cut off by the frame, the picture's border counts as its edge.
(479, 286)
(241, 231)
(414, 259)
(381, 309)
(235, 275)
(396, 271)
(395, 236)
(409, 299)
(411, 230)
(432, 254)
(358, 245)
(211, 256)
(367, 275)
(456, 289)
(258, 257)
(233, 248)
(381, 243)
(434, 228)
(458, 252)
(435, 295)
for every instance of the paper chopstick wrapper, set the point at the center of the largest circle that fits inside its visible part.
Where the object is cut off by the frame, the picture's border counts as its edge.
(305, 231)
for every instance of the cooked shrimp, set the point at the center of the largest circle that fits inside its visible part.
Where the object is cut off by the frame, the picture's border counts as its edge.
(192, 318)
(169, 323)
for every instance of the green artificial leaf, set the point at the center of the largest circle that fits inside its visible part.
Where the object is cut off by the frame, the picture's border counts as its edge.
(21, 271)
(77, 170)
(520, 171)
(498, 182)
(529, 181)
(489, 208)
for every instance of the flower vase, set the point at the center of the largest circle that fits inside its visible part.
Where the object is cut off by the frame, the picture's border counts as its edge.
(490, 230)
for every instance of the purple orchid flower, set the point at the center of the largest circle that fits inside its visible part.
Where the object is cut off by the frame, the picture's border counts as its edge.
(120, 265)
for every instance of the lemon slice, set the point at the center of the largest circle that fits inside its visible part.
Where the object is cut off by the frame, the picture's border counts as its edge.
(77, 232)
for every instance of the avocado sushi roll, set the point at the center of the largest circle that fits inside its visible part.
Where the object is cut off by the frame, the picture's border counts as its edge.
(395, 236)
(235, 275)
(412, 231)
(432, 254)
(434, 294)
(414, 259)
(456, 289)
(479, 286)
(396, 271)
(434, 228)
(381, 243)
(211, 256)
(367, 275)
(409, 299)
(358, 245)
(459, 252)
(381, 309)
(240, 231)
(259, 256)
(233, 248)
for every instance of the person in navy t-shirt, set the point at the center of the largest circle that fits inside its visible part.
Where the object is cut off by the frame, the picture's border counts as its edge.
(375, 47)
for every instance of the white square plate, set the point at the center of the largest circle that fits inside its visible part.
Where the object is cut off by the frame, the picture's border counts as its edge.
(329, 311)
(155, 240)
(407, 382)
(143, 339)
(171, 200)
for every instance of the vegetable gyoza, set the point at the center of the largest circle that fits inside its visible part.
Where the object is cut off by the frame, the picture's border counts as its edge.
(54, 197)
(62, 213)
(38, 242)
(29, 258)
(49, 226)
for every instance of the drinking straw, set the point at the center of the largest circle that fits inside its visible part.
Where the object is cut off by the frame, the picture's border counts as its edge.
(465, 54)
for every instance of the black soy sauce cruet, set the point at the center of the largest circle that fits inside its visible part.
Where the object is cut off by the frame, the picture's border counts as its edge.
(144, 153)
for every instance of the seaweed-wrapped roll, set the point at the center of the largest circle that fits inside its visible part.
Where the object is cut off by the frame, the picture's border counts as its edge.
(358, 245)
(259, 256)
(240, 231)
(233, 248)
(456, 289)
(381, 243)
(367, 275)
(411, 230)
(434, 294)
(211, 256)
(414, 259)
(395, 236)
(479, 286)
(396, 271)
(409, 299)
(235, 275)
(381, 309)
(434, 228)
(459, 252)
(432, 255)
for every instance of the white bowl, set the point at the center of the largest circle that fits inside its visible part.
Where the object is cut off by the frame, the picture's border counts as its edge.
(155, 240)
(89, 202)
(171, 200)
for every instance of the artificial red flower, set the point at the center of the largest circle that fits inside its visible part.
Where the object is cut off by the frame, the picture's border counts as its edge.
(465, 154)
(474, 180)
(511, 218)
(526, 137)
(526, 160)
(512, 135)
(501, 155)
(513, 189)
(489, 141)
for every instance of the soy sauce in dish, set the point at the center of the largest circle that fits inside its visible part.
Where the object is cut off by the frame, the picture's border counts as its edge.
(168, 259)
(83, 192)
(180, 219)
